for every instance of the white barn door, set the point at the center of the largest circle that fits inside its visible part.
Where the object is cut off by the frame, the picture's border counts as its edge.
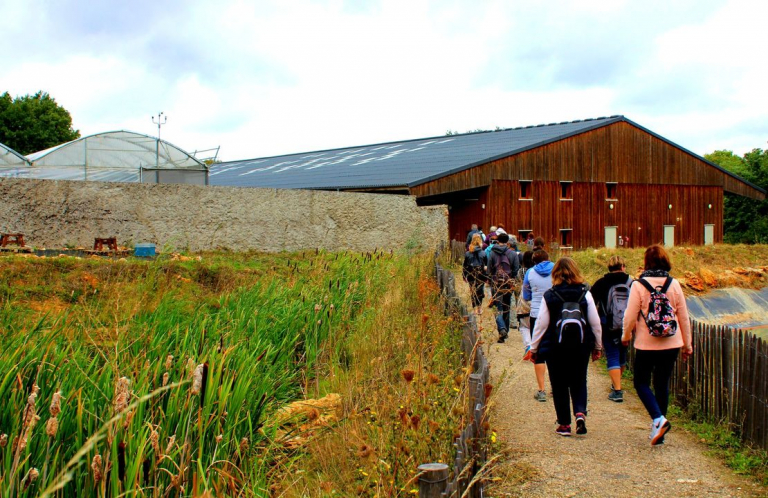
(610, 237)
(669, 235)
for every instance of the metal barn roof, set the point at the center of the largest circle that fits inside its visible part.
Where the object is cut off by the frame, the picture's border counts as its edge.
(393, 164)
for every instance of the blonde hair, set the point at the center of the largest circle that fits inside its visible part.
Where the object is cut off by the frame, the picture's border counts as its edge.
(616, 263)
(566, 271)
(477, 241)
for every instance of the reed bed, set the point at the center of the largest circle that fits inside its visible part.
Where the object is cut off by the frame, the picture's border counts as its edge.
(162, 378)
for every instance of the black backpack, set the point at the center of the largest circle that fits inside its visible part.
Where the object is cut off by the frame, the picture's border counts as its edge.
(475, 260)
(571, 325)
(616, 305)
(503, 282)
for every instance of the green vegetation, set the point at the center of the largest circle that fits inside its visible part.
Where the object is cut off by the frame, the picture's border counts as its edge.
(34, 122)
(745, 220)
(725, 444)
(168, 376)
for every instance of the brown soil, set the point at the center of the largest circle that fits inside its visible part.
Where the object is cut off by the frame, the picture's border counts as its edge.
(614, 459)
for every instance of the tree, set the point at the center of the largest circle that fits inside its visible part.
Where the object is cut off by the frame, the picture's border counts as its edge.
(34, 122)
(745, 220)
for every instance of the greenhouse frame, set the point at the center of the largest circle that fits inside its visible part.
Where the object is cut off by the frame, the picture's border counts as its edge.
(116, 156)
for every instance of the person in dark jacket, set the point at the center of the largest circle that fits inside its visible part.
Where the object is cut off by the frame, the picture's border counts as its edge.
(471, 234)
(502, 259)
(473, 271)
(615, 351)
(567, 353)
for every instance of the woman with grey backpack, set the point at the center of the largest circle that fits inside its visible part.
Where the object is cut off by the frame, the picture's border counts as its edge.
(658, 316)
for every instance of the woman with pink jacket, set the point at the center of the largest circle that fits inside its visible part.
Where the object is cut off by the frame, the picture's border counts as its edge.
(660, 331)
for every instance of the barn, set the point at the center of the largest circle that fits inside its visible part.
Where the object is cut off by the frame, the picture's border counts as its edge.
(577, 184)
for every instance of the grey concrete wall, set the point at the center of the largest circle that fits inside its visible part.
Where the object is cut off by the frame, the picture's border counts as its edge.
(57, 213)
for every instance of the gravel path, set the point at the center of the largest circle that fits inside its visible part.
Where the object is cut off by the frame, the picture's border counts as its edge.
(614, 459)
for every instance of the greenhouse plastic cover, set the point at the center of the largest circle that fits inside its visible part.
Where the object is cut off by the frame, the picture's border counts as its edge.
(117, 156)
(11, 162)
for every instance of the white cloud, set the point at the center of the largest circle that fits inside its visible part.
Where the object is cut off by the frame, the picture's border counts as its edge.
(269, 77)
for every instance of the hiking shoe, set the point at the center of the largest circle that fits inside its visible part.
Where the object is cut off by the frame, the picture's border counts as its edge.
(581, 424)
(563, 430)
(616, 395)
(659, 427)
(542, 396)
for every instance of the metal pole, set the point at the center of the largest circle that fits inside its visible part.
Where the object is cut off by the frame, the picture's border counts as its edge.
(161, 120)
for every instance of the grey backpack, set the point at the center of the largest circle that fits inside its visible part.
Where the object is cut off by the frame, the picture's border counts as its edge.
(616, 305)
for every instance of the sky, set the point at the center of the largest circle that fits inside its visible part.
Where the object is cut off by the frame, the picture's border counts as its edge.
(260, 78)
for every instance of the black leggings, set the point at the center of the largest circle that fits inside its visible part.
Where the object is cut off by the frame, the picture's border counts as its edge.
(568, 375)
(476, 289)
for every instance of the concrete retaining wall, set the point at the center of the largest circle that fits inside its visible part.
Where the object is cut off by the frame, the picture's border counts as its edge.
(59, 213)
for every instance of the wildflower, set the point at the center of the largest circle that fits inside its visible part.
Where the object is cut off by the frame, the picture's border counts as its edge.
(52, 426)
(493, 437)
(364, 450)
(96, 467)
(432, 379)
(219, 438)
(407, 375)
(317, 308)
(197, 379)
(415, 420)
(3, 440)
(244, 445)
(168, 362)
(55, 408)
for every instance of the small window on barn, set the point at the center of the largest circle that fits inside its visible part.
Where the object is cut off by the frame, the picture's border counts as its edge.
(610, 190)
(566, 237)
(526, 190)
(566, 191)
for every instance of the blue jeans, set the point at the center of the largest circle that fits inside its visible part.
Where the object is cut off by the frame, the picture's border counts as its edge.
(503, 303)
(659, 364)
(615, 352)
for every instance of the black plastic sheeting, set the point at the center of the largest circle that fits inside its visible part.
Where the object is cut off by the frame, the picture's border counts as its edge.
(734, 307)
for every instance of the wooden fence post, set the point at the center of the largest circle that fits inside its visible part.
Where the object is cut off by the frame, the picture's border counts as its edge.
(433, 480)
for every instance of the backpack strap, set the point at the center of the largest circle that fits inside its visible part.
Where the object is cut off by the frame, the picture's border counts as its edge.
(667, 283)
(647, 285)
(630, 281)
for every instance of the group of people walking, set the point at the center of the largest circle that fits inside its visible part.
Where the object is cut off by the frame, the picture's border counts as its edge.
(564, 322)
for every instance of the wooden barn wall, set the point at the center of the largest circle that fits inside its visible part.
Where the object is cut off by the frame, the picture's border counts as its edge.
(462, 214)
(616, 153)
(639, 212)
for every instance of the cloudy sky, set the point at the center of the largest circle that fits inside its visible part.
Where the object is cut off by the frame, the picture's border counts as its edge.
(266, 77)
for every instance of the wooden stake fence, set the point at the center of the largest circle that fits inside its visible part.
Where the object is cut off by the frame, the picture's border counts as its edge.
(727, 380)
(471, 444)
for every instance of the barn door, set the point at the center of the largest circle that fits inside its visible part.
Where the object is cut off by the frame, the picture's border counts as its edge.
(610, 237)
(709, 234)
(669, 235)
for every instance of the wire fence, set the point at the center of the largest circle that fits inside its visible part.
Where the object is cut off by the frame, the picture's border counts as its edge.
(463, 478)
(727, 380)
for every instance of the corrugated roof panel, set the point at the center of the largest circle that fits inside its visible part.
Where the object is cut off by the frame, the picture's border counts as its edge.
(405, 163)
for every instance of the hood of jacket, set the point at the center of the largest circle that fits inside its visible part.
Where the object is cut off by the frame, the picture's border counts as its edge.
(499, 248)
(544, 268)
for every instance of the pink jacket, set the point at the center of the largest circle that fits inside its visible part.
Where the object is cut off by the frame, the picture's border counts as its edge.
(639, 297)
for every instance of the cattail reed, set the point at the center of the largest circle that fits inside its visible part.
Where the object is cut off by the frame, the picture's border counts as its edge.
(166, 376)
(30, 478)
(96, 467)
(168, 362)
(154, 439)
(55, 408)
(219, 438)
(3, 440)
(52, 427)
(197, 379)
(244, 445)
(190, 367)
(171, 443)
(122, 394)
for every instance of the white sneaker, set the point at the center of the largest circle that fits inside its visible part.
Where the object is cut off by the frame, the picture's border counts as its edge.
(659, 427)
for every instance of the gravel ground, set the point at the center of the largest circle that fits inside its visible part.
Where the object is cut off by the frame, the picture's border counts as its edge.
(615, 457)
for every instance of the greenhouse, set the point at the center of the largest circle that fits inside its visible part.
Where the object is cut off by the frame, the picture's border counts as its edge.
(118, 156)
(12, 163)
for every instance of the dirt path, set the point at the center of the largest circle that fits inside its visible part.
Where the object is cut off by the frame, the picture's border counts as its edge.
(613, 459)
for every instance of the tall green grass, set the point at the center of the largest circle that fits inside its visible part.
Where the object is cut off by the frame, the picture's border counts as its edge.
(259, 345)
